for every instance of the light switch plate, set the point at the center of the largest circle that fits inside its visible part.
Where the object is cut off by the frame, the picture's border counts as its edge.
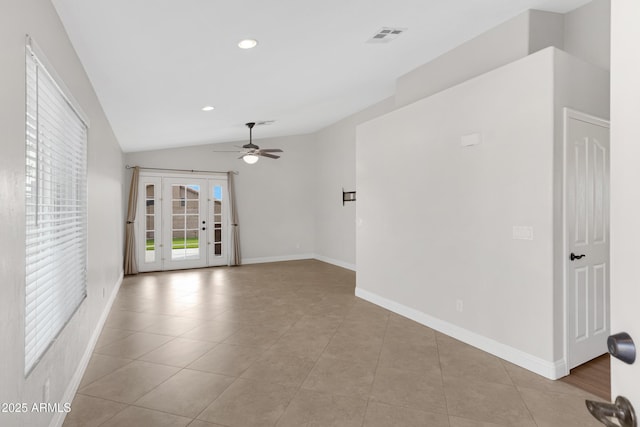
(522, 232)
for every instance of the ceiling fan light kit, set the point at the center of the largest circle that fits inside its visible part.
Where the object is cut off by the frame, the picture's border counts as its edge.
(250, 152)
(250, 158)
(253, 153)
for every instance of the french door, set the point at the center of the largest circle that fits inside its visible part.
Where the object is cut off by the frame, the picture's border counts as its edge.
(182, 222)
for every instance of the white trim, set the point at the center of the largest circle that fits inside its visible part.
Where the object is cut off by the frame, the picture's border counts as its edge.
(584, 117)
(185, 175)
(551, 370)
(569, 113)
(336, 262)
(72, 388)
(281, 258)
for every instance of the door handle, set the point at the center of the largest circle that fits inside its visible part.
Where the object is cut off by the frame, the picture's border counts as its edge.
(574, 257)
(621, 347)
(621, 410)
(204, 228)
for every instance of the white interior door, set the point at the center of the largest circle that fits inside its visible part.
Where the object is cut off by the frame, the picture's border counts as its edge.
(586, 257)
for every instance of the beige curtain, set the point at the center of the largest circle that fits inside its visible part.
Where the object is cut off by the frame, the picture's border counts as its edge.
(130, 266)
(234, 258)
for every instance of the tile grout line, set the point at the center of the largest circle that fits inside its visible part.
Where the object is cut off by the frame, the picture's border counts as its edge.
(375, 372)
(311, 370)
(502, 362)
(444, 391)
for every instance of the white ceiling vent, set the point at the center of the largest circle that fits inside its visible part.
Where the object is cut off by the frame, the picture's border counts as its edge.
(386, 34)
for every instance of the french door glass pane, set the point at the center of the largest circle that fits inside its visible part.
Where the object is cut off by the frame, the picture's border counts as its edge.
(217, 219)
(150, 248)
(185, 206)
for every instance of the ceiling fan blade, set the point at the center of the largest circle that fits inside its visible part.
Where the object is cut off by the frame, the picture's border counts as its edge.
(271, 156)
(271, 150)
(226, 151)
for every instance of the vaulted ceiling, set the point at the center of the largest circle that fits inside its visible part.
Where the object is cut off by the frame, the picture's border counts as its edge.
(156, 63)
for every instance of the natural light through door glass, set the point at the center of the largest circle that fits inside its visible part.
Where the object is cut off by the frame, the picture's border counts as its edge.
(185, 209)
(217, 220)
(150, 252)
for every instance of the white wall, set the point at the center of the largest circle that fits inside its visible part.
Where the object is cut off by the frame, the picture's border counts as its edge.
(436, 218)
(60, 364)
(512, 40)
(335, 157)
(588, 33)
(494, 48)
(584, 32)
(275, 198)
(545, 29)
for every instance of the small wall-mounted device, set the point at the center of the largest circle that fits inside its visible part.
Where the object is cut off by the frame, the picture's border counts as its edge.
(471, 139)
(348, 196)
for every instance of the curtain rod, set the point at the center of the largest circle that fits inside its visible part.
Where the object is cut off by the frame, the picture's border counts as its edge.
(180, 170)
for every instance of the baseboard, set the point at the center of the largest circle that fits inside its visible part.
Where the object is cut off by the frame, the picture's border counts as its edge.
(551, 370)
(72, 388)
(281, 258)
(336, 262)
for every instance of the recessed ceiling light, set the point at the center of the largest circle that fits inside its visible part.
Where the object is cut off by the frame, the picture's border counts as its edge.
(208, 108)
(248, 44)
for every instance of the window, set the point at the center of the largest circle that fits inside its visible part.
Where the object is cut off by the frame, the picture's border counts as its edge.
(56, 208)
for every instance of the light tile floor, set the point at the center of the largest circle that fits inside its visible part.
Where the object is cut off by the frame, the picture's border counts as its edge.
(288, 344)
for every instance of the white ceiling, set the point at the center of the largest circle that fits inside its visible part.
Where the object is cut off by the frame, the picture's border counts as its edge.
(155, 63)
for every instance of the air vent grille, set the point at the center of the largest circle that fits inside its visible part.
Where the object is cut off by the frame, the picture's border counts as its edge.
(386, 34)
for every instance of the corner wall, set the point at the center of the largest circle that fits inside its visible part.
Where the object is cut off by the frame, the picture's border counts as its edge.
(335, 157)
(588, 33)
(584, 87)
(62, 362)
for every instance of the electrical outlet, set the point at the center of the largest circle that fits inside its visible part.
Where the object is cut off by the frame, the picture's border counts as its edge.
(459, 305)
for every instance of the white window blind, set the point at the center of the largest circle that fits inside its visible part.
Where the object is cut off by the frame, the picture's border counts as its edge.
(56, 208)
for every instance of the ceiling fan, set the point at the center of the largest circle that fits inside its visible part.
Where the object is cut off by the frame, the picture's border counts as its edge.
(251, 153)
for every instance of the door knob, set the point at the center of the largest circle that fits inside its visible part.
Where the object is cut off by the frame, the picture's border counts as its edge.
(204, 228)
(621, 410)
(574, 257)
(621, 347)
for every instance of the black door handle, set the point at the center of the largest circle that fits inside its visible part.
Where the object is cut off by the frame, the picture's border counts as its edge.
(574, 257)
(621, 347)
(203, 228)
